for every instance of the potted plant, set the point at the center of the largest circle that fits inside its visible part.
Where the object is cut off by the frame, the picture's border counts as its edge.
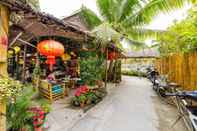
(80, 96)
(91, 97)
(82, 99)
(38, 118)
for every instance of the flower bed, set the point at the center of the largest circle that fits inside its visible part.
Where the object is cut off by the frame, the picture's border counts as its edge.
(85, 96)
(39, 117)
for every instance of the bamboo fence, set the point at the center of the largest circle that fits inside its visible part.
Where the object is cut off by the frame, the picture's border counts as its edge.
(180, 68)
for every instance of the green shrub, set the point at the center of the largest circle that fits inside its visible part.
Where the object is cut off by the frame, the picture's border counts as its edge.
(92, 67)
(134, 73)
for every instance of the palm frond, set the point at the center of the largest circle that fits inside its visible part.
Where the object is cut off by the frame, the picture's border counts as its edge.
(141, 34)
(89, 17)
(127, 7)
(108, 9)
(145, 14)
(106, 33)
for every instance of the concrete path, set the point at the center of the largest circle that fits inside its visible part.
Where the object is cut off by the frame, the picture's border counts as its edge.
(131, 106)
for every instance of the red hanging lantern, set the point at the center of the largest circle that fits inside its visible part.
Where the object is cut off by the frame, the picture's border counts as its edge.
(111, 55)
(50, 49)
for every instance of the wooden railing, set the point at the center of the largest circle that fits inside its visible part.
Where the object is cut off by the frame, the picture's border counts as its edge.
(180, 68)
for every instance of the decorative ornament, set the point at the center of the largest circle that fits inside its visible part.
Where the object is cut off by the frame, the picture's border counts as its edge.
(66, 57)
(17, 49)
(50, 49)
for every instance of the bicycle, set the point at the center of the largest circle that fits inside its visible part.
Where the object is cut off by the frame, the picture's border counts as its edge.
(185, 105)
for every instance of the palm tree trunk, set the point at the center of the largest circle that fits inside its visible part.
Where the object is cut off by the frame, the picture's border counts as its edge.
(4, 25)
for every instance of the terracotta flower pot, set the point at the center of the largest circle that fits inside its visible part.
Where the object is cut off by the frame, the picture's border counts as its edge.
(38, 129)
(82, 104)
(88, 102)
(23, 129)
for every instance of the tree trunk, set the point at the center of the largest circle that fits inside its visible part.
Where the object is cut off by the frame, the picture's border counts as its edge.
(4, 25)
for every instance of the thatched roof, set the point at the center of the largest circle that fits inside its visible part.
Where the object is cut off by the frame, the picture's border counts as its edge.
(145, 53)
(36, 24)
(75, 19)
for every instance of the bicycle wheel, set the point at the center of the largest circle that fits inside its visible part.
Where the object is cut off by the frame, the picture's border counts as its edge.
(184, 113)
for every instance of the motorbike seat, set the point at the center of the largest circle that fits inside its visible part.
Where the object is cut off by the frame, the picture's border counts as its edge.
(192, 109)
(173, 84)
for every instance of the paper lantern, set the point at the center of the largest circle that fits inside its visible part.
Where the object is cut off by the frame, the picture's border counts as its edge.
(50, 49)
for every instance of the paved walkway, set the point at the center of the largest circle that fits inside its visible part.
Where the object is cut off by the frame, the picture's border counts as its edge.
(132, 106)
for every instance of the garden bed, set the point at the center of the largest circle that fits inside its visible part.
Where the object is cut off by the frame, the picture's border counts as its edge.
(86, 97)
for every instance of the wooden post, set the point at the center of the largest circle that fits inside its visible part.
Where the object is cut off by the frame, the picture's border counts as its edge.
(24, 64)
(4, 25)
(106, 68)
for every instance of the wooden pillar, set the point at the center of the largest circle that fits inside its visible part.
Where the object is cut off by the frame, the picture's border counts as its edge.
(106, 70)
(24, 64)
(4, 24)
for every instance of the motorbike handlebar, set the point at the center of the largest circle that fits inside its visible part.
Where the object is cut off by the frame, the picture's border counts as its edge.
(184, 94)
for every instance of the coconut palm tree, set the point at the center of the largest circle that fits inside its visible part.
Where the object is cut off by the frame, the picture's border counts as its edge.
(129, 18)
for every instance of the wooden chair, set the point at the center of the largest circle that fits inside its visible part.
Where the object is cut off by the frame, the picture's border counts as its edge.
(51, 91)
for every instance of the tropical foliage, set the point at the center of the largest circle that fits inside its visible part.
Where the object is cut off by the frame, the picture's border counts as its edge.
(19, 114)
(128, 17)
(92, 67)
(182, 36)
(89, 17)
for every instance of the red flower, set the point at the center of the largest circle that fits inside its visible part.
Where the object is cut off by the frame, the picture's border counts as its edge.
(78, 94)
(39, 116)
(81, 90)
(84, 89)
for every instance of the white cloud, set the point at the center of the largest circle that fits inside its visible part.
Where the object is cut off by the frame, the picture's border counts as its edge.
(60, 8)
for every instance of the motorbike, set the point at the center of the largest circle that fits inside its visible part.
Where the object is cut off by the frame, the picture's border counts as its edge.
(161, 85)
(152, 74)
